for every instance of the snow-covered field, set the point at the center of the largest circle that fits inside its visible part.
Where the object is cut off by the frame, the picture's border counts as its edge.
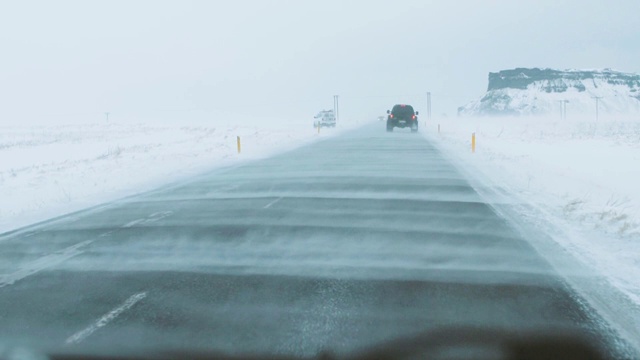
(46, 171)
(582, 176)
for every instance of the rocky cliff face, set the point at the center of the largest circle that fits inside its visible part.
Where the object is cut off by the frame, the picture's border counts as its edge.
(543, 91)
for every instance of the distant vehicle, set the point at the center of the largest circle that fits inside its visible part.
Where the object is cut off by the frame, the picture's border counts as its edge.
(402, 116)
(325, 118)
(381, 118)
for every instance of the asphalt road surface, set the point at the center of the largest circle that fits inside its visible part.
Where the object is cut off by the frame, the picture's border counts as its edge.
(341, 245)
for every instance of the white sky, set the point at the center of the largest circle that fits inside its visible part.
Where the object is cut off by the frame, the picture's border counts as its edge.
(75, 60)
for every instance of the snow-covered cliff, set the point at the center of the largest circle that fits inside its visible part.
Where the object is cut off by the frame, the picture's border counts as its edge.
(536, 91)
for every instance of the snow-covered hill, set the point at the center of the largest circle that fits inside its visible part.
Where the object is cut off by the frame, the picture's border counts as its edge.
(543, 91)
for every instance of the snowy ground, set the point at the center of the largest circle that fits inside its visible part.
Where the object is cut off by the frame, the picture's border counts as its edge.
(46, 171)
(581, 175)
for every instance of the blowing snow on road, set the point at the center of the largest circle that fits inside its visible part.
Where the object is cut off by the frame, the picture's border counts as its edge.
(319, 179)
(348, 242)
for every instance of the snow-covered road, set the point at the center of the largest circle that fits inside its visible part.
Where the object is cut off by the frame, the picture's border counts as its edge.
(576, 180)
(341, 245)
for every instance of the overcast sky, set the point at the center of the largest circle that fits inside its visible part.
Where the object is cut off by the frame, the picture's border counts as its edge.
(62, 60)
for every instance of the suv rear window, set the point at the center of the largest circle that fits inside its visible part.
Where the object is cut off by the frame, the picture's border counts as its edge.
(402, 111)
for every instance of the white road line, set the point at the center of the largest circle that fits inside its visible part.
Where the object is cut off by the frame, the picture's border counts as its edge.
(43, 263)
(150, 219)
(60, 256)
(133, 223)
(272, 203)
(105, 319)
(222, 190)
(160, 215)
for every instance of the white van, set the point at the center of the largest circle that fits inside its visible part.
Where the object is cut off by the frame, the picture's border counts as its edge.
(325, 118)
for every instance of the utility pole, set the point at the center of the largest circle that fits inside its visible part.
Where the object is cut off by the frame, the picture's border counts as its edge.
(563, 109)
(429, 106)
(107, 114)
(334, 105)
(597, 101)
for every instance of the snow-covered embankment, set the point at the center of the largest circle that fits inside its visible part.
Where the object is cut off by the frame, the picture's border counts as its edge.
(583, 175)
(46, 171)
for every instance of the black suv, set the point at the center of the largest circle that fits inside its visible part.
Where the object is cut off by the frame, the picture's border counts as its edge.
(402, 116)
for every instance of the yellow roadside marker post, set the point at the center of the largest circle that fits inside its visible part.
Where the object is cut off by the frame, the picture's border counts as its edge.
(473, 142)
(239, 147)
